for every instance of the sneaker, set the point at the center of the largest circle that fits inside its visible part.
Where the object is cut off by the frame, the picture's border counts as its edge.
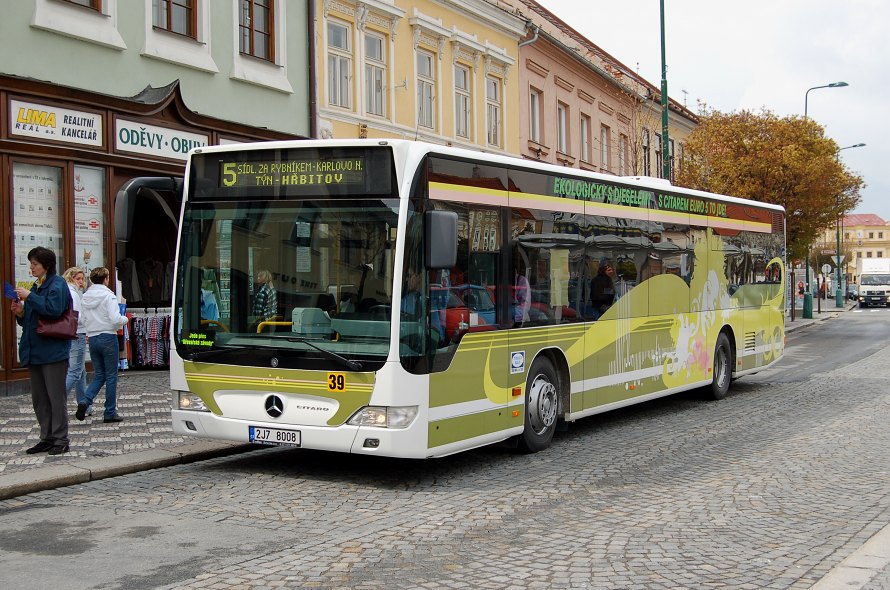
(81, 412)
(114, 418)
(41, 447)
(89, 410)
(59, 449)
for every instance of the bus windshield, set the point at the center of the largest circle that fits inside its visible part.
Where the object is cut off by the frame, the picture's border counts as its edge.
(305, 282)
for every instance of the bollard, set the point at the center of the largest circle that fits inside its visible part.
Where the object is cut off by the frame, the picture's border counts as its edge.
(838, 298)
(807, 306)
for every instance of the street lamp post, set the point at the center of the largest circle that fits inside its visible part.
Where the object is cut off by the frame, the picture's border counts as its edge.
(839, 295)
(808, 295)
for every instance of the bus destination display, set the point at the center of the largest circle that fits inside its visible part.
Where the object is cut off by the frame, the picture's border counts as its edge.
(293, 172)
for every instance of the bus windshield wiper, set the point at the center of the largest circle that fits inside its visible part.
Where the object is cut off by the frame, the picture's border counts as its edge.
(354, 365)
(192, 355)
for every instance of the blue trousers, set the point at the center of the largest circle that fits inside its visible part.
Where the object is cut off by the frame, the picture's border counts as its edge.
(77, 373)
(104, 352)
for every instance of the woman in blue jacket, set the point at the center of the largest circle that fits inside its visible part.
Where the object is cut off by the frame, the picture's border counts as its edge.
(46, 358)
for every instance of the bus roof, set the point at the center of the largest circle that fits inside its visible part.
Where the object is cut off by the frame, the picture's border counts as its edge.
(421, 148)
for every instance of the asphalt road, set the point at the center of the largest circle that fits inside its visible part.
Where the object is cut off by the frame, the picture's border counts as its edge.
(770, 488)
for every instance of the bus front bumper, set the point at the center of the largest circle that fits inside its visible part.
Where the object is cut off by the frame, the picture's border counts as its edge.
(409, 442)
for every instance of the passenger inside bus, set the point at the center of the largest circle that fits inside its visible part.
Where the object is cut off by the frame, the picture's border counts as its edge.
(602, 288)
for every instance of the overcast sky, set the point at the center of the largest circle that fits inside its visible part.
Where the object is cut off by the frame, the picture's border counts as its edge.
(759, 53)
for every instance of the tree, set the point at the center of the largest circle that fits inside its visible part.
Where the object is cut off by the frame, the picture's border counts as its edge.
(786, 161)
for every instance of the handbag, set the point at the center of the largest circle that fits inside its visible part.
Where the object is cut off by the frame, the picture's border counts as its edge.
(63, 327)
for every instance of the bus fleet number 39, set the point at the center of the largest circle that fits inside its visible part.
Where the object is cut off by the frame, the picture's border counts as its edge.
(274, 436)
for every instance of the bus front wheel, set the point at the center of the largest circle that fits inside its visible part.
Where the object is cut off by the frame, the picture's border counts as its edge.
(722, 376)
(541, 406)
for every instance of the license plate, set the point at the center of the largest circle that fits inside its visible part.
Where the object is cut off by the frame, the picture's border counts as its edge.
(274, 436)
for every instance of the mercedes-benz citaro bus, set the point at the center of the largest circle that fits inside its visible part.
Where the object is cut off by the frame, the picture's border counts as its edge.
(398, 298)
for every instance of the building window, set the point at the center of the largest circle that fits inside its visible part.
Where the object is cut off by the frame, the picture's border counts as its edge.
(647, 162)
(94, 4)
(462, 102)
(868, 254)
(534, 115)
(605, 143)
(339, 65)
(880, 253)
(622, 155)
(562, 128)
(176, 16)
(426, 89)
(493, 110)
(880, 235)
(257, 32)
(871, 235)
(91, 21)
(375, 75)
(658, 157)
(846, 236)
(585, 138)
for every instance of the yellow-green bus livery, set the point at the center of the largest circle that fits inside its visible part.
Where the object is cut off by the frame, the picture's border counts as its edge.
(398, 298)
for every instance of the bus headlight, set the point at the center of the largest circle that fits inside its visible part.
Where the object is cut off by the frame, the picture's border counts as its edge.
(190, 401)
(384, 416)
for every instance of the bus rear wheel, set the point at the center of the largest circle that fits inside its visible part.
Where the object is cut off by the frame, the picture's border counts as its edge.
(541, 406)
(722, 376)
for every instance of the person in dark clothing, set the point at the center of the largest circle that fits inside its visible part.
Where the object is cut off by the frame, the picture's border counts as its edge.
(602, 289)
(46, 358)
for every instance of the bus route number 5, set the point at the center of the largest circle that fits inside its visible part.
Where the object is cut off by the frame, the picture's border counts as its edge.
(230, 174)
(336, 382)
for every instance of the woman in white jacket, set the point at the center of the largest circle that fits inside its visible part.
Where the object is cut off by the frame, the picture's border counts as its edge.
(77, 374)
(102, 319)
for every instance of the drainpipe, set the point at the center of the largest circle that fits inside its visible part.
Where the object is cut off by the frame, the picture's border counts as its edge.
(528, 26)
(311, 82)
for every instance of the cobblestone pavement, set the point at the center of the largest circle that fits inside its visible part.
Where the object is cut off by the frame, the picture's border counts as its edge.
(769, 488)
(143, 400)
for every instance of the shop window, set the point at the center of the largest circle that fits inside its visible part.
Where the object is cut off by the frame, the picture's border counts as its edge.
(93, 21)
(38, 219)
(89, 217)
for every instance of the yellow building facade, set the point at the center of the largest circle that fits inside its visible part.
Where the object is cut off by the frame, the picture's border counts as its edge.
(439, 71)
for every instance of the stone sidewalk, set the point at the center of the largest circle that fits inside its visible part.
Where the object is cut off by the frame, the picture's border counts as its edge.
(144, 440)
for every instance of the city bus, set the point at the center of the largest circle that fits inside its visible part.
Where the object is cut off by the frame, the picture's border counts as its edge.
(398, 298)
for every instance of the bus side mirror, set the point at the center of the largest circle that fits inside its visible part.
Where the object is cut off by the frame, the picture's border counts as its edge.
(440, 239)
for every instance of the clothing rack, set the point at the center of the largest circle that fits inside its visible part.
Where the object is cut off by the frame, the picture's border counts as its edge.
(150, 337)
(146, 312)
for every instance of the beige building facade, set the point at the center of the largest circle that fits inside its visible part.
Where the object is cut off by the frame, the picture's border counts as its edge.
(862, 236)
(439, 71)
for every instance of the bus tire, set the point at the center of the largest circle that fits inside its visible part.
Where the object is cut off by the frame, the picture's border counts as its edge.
(541, 406)
(722, 375)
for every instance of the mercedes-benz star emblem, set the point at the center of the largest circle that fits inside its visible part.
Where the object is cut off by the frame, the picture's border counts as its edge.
(274, 406)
